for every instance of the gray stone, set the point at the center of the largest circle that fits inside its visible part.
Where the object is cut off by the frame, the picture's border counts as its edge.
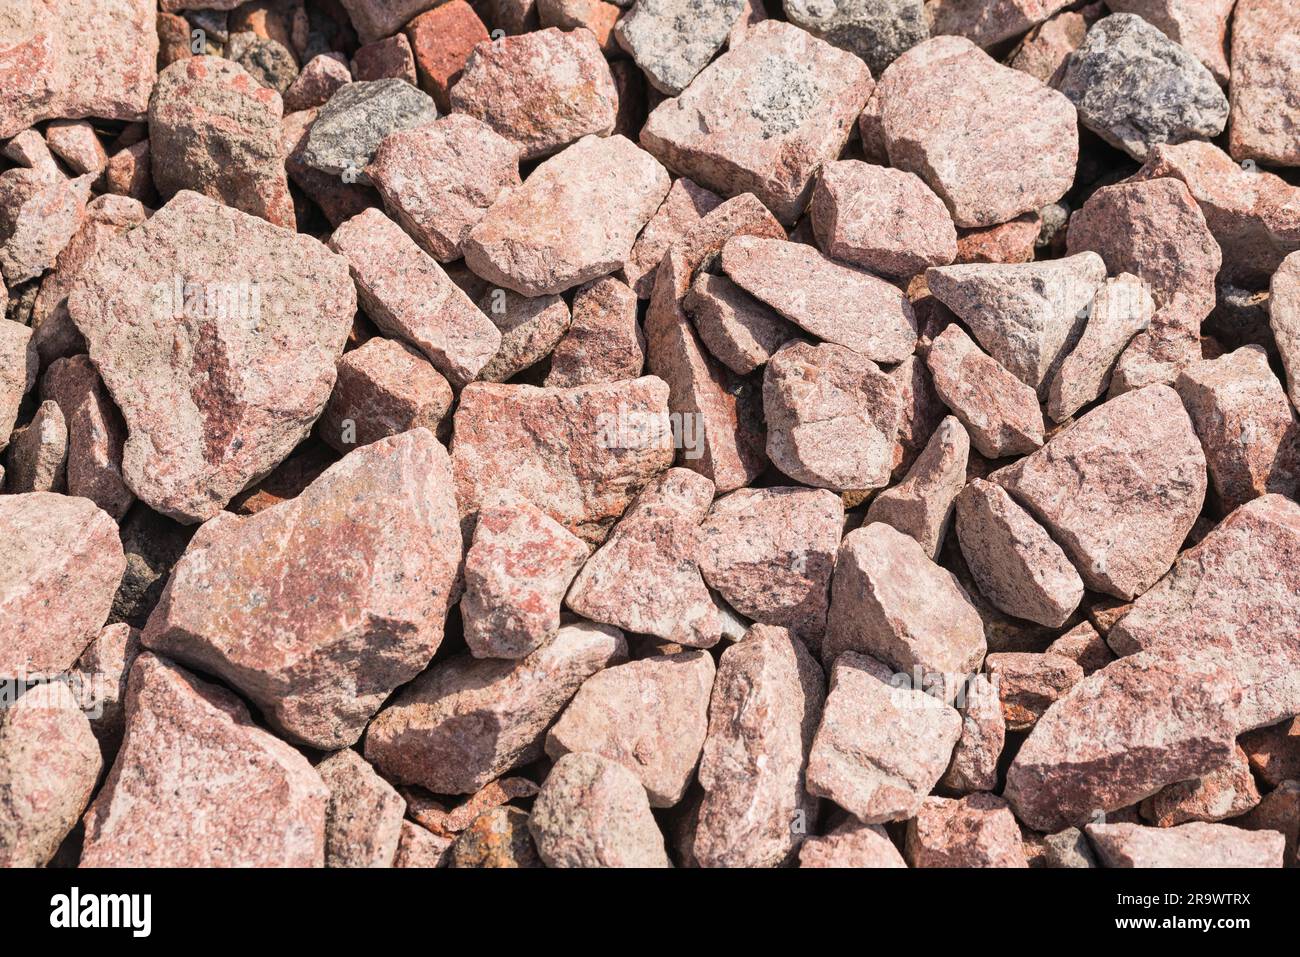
(673, 40)
(875, 30)
(267, 61)
(357, 118)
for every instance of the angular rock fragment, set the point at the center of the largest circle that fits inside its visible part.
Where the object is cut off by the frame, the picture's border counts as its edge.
(409, 296)
(1013, 560)
(1225, 792)
(383, 388)
(877, 31)
(685, 205)
(989, 22)
(541, 91)
(338, 199)
(1135, 88)
(975, 759)
(672, 41)
(18, 366)
(376, 19)
(766, 705)
(882, 219)
(975, 831)
(358, 117)
(216, 333)
(516, 574)
(1044, 51)
(430, 814)
(1231, 601)
(1119, 735)
(1000, 412)
(96, 434)
(651, 716)
(1199, 25)
(1028, 684)
(763, 117)
(466, 721)
(319, 80)
(1188, 845)
(331, 572)
(390, 58)
(575, 218)
(770, 553)
(1284, 321)
(1120, 310)
(1012, 242)
(992, 142)
(100, 680)
(645, 578)
(832, 417)
(596, 15)
(881, 746)
(580, 454)
(439, 180)
(214, 130)
(839, 304)
(593, 812)
(852, 844)
(1264, 74)
(1119, 491)
(267, 61)
(40, 212)
(1245, 423)
(363, 820)
(198, 784)
(1278, 811)
(604, 341)
(921, 505)
(739, 331)
(417, 847)
(530, 328)
(63, 564)
(1274, 752)
(1083, 645)
(49, 765)
(497, 838)
(75, 142)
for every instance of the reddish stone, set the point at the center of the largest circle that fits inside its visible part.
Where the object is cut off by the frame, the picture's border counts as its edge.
(595, 15)
(498, 838)
(1028, 684)
(100, 680)
(852, 844)
(989, 23)
(389, 58)
(1265, 72)
(1043, 52)
(375, 19)
(38, 452)
(320, 79)
(978, 753)
(1188, 845)
(739, 331)
(363, 821)
(530, 328)
(75, 142)
(1014, 241)
(685, 205)
(1274, 752)
(383, 388)
(40, 212)
(416, 847)
(1284, 321)
(442, 39)
(1225, 792)
(1083, 645)
(1199, 25)
(976, 831)
(17, 372)
(922, 504)
(604, 341)
(1279, 811)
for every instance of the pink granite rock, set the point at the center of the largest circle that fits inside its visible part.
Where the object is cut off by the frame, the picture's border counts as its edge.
(96, 434)
(49, 765)
(363, 821)
(389, 58)
(1156, 231)
(1120, 310)
(766, 705)
(100, 681)
(889, 600)
(989, 22)
(604, 341)
(383, 388)
(439, 180)
(596, 15)
(921, 505)
(575, 218)
(770, 553)
(978, 753)
(1245, 424)
(1227, 791)
(409, 296)
(763, 117)
(38, 453)
(442, 39)
(497, 838)
(18, 367)
(337, 199)
(129, 173)
(1028, 684)
(1119, 491)
(75, 142)
(1012, 558)
(1278, 811)
(466, 721)
(1274, 752)
(197, 784)
(593, 812)
(530, 328)
(541, 90)
(1120, 735)
(1265, 69)
(215, 130)
(852, 844)
(839, 304)
(216, 333)
(516, 573)
(1231, 600)
(975, 831)
(992, 142)
(645, 578)
(342, 625)
(57, 583)
(416, 847)
(318, 80)
(74, 59)
(685, 205)
(651, 716)
(885, 220)
(376, 19)
(881, 745)
(580, 454)
(40, 212)
(1188, 845)
(1014, 241)
(1284, 321)
(1043, 52)
(1083, 645)
(740, 331)
(1199, 25)
(1000, 412)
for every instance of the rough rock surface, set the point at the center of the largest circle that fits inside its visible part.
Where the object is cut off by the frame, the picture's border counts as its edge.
(340, 624)
(921, 504)
(763, 117)
(1274, 752)
(1029, 683)
(19, 363)
(63, 564)
(316, 83)
(739, 331)
(1085, 646)
(374, 19)
(530, 328)
(978, 752)
(593, 812)
(989, 22)
(1119, 491)
(40, 212)
(1225, 792)
(198, 784)
(770, 553)
(1265, 109)
(651, 716)
(992, 142)
(266, 60)
(216, 334)
(466, 721)
(574, 219)
(685, 205)
(496, 838)
(881, 746)
(604, 341)
(1284, 321)
(672, 41)
(1199, 25)
(38, 453)
(363, 821)
(877, 31)
(1188, 845)
(103, 669)
(766, 705)
(357, 118)
(975, 831)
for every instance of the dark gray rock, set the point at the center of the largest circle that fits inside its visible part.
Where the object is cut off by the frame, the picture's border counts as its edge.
(1136, 88)
(356, 120)
(877, 31)
(153, 545)
(267, 61)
